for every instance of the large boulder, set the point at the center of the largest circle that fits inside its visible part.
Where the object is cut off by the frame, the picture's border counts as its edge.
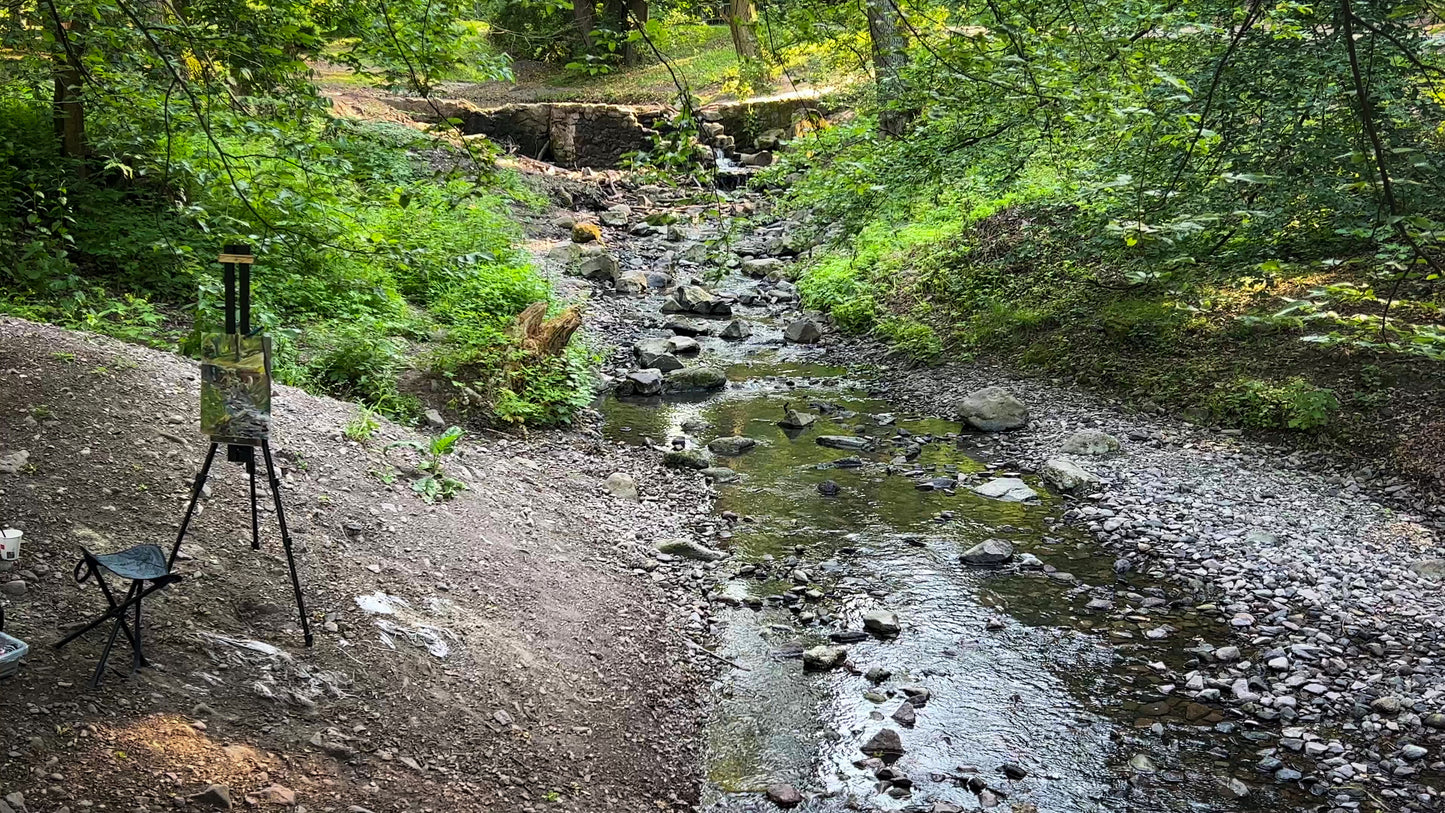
(696, 379)
(616, 216)
(1067, 476)
(1090, 443)
(1007, 489)
(656, 353)
(989, 552)
(641, 383)
(803, 331)
(993, 409)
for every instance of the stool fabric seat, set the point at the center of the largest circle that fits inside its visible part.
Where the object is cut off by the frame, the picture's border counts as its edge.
(147, 562)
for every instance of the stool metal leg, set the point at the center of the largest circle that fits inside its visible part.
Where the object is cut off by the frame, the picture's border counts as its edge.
(110, 642)
(286, 541)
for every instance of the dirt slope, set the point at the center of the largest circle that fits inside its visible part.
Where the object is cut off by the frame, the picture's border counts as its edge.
(564, 687)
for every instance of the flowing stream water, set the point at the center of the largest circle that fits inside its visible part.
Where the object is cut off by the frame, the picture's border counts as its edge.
(1019, 668)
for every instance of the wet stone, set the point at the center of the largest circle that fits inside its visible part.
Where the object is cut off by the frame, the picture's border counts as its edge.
(784, 795)
(823, 658)
(989, 552)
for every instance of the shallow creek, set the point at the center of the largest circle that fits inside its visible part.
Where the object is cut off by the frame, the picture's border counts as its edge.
(1019, 669)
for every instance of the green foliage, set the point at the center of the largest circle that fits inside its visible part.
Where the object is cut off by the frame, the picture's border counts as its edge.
(433, 484)
(362, 426)
(1294, 404)
(912, 338)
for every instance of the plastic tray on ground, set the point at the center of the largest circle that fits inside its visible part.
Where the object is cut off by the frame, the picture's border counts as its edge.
(12, 650)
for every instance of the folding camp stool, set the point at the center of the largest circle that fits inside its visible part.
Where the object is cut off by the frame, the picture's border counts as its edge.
(147, 570)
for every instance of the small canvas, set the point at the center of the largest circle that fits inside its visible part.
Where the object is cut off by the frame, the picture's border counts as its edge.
(236, 388)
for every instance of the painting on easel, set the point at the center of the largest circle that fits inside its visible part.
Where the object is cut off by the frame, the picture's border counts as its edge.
(236, 388)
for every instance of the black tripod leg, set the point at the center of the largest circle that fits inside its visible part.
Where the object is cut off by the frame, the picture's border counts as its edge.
(255, 519)
(191, 509)
(286, 540)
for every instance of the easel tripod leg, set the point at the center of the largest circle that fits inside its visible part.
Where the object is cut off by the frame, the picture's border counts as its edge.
(255, 520)
(191, 509)
(286, 540)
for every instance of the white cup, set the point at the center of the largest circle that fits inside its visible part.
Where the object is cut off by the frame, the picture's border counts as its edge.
(9, 544)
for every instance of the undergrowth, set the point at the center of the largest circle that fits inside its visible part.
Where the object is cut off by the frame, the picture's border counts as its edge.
(373, 263)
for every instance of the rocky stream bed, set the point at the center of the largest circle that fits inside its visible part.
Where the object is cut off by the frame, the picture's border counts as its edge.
(941, 589)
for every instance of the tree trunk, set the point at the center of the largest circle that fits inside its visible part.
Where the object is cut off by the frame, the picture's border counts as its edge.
(69, 106)
(636, 19)
(584, 12)
(742, 21)
(890, 54)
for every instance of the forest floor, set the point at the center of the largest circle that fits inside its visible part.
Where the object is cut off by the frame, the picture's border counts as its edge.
(532, 660)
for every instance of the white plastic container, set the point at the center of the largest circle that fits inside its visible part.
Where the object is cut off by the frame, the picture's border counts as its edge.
(9, 544)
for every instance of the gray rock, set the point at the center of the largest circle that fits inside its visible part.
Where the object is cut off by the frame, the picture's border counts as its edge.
(656, 354)
(630, 282)
(1413, 752)
(683, 345)
(823, 658)
(688, 327)
(721, 474)
(882, 622)
(621, 486)
(1231, 788)
(1141, 763)
(784, 795)
(14, 462)
(616, 216)
(989, 552)
(434, 419)
(736, 329)
(641, 382)
(1067, 476)
(1387, 705)
(1007, 489)
(215, 796)
(847, 442)
(687, 459)
(756, 159)
(1227, 654)
(761, 267)
(886, 744)
(696, 299)
(731, 446)
(1429, 568)
(993, 409)
(803, 331)
(905, 715)
(689, 549)
(1090, 443)
(598, 266)
(794, 419)
(14, 589)
(695, 379)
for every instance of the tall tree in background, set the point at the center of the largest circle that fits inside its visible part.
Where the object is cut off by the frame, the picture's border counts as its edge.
(584, 12)
(890, 55)
(742, 21)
